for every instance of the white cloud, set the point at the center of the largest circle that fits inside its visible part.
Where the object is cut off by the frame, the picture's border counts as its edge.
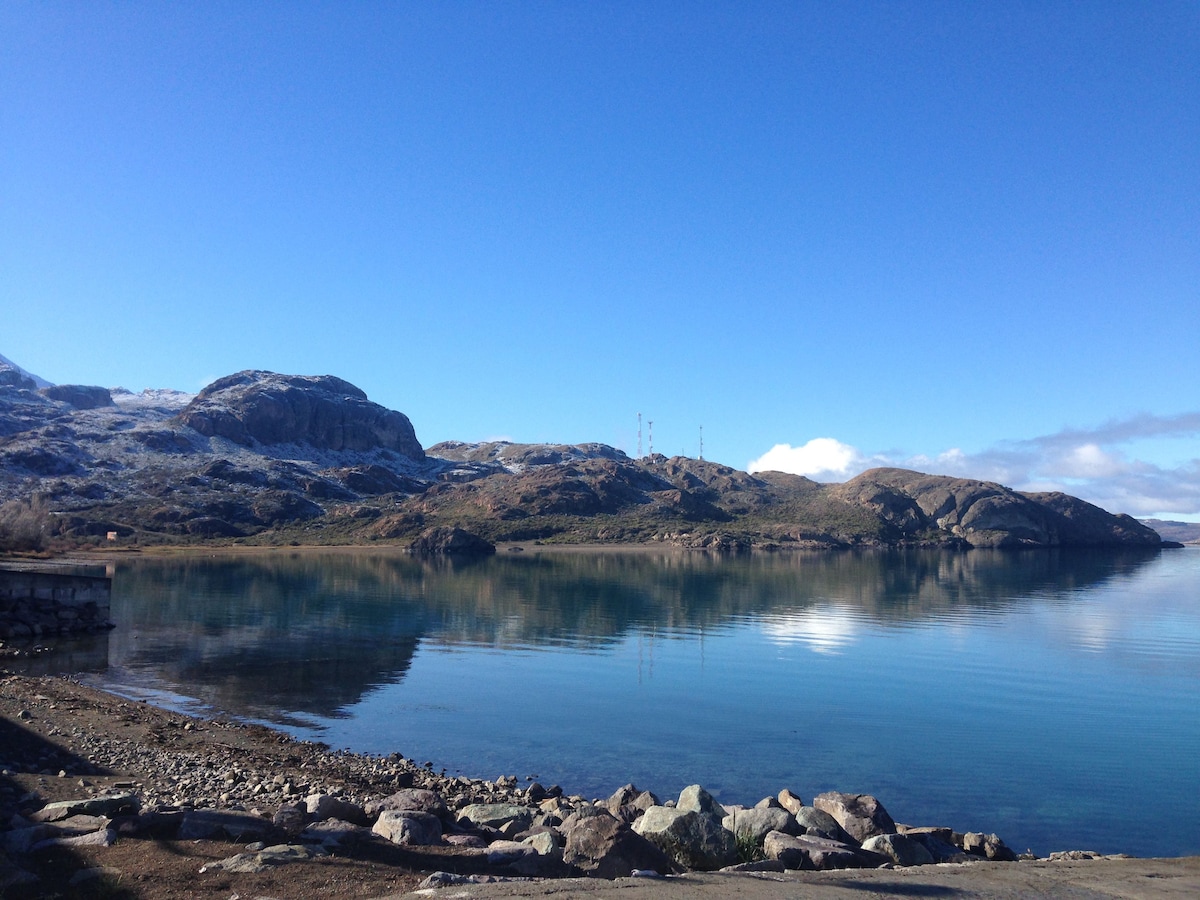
(1099, 465)
(822, 459)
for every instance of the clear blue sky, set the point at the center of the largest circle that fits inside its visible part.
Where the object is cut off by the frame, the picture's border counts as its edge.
(959, 236)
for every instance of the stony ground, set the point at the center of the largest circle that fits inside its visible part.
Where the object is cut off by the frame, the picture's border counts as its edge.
(62, 741)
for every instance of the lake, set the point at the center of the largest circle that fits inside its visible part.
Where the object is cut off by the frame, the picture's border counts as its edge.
(1052, 697)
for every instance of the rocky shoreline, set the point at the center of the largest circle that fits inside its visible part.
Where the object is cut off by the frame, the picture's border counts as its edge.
(88, 777)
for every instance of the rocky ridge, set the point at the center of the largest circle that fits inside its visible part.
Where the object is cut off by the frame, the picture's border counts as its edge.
(278, 458)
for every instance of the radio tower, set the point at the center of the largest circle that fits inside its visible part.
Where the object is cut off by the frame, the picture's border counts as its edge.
(650, 435)
(639, 456)
(701, 442)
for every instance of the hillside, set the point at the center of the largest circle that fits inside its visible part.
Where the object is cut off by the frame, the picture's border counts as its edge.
(266, 458)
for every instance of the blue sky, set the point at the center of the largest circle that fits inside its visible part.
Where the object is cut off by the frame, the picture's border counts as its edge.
(957, 236)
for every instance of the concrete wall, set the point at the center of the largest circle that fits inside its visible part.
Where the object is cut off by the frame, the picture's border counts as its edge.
(44, 603)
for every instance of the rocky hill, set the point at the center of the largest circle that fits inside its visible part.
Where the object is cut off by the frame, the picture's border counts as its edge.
(270, 458)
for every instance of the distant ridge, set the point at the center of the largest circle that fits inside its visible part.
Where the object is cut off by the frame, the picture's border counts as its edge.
(1183, 532)
(39, 381)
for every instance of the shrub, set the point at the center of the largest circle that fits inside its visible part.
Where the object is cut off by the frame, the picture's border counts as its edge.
(24, 524)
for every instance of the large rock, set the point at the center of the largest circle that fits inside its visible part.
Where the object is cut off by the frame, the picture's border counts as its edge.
(988, 846)
(901, 849)
(326, 806)
(790, 801)
(691, 838)
(444, 539)
(412, 799)
(755, 824)
(80, 396)
(694, 798)
(809, 852)
(409, 827)
(820, 824)
(861, 815)
(628, 803)
(605, 847)
(109, 805)
(319, 410)
(212, 824)
(498, 815)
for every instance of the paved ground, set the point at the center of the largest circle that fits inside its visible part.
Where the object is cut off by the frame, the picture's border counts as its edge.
(1143, 879)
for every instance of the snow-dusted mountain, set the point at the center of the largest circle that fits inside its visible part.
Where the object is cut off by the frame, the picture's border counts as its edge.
(6, 363)
(311, 458)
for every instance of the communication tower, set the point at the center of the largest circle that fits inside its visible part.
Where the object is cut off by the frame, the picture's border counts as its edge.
(702, 442)
(650, 435)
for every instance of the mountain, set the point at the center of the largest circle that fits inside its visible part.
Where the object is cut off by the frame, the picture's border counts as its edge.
(7, 364)
(269, 458)
(1182, 532)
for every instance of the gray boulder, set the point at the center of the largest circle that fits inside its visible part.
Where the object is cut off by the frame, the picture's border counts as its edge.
(605, 847)
(810, 852)
(109, 805)
(414, 799)
(694, 798)
(291, 819)
(410, 827)
(694, 840)
(860, 814)
(988, 846)
(326, 806)
(212, 824)
(334, 833)
(755, 824)
(820, 824)
(628, 803)
(901, 849)
(940, 842)
(498, 815)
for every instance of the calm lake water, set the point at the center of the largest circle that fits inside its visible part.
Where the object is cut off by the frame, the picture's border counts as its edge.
(1052, 697)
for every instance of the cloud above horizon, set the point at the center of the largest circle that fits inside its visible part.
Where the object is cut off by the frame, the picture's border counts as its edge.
(1096, 464)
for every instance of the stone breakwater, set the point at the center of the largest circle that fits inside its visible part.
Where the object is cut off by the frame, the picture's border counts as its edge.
(136, 773)
(37, 603)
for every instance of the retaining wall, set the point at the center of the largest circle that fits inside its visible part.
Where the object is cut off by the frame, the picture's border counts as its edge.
(44, 603)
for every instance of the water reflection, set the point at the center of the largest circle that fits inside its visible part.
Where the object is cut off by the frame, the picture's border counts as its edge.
(280, 635)
(825, 629)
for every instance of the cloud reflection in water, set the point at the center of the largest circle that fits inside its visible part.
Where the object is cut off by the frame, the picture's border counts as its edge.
(827, 628)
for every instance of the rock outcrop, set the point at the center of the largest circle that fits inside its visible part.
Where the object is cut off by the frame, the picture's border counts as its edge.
(452, 541)
(80, 396)
(322, 411)
(985, 514)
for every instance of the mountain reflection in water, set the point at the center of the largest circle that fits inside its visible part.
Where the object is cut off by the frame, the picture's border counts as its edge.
(1016, 692)
(273, 635)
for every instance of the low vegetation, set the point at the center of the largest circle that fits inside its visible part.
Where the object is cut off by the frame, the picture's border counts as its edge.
(25, 525)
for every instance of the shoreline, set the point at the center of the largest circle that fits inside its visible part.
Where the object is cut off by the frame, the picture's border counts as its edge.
(80, 742)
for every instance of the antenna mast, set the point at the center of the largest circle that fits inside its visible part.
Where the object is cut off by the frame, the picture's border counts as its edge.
(650, 435)
(702, 442)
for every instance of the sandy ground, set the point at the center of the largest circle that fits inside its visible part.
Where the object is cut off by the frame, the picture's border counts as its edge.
(47, 724)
